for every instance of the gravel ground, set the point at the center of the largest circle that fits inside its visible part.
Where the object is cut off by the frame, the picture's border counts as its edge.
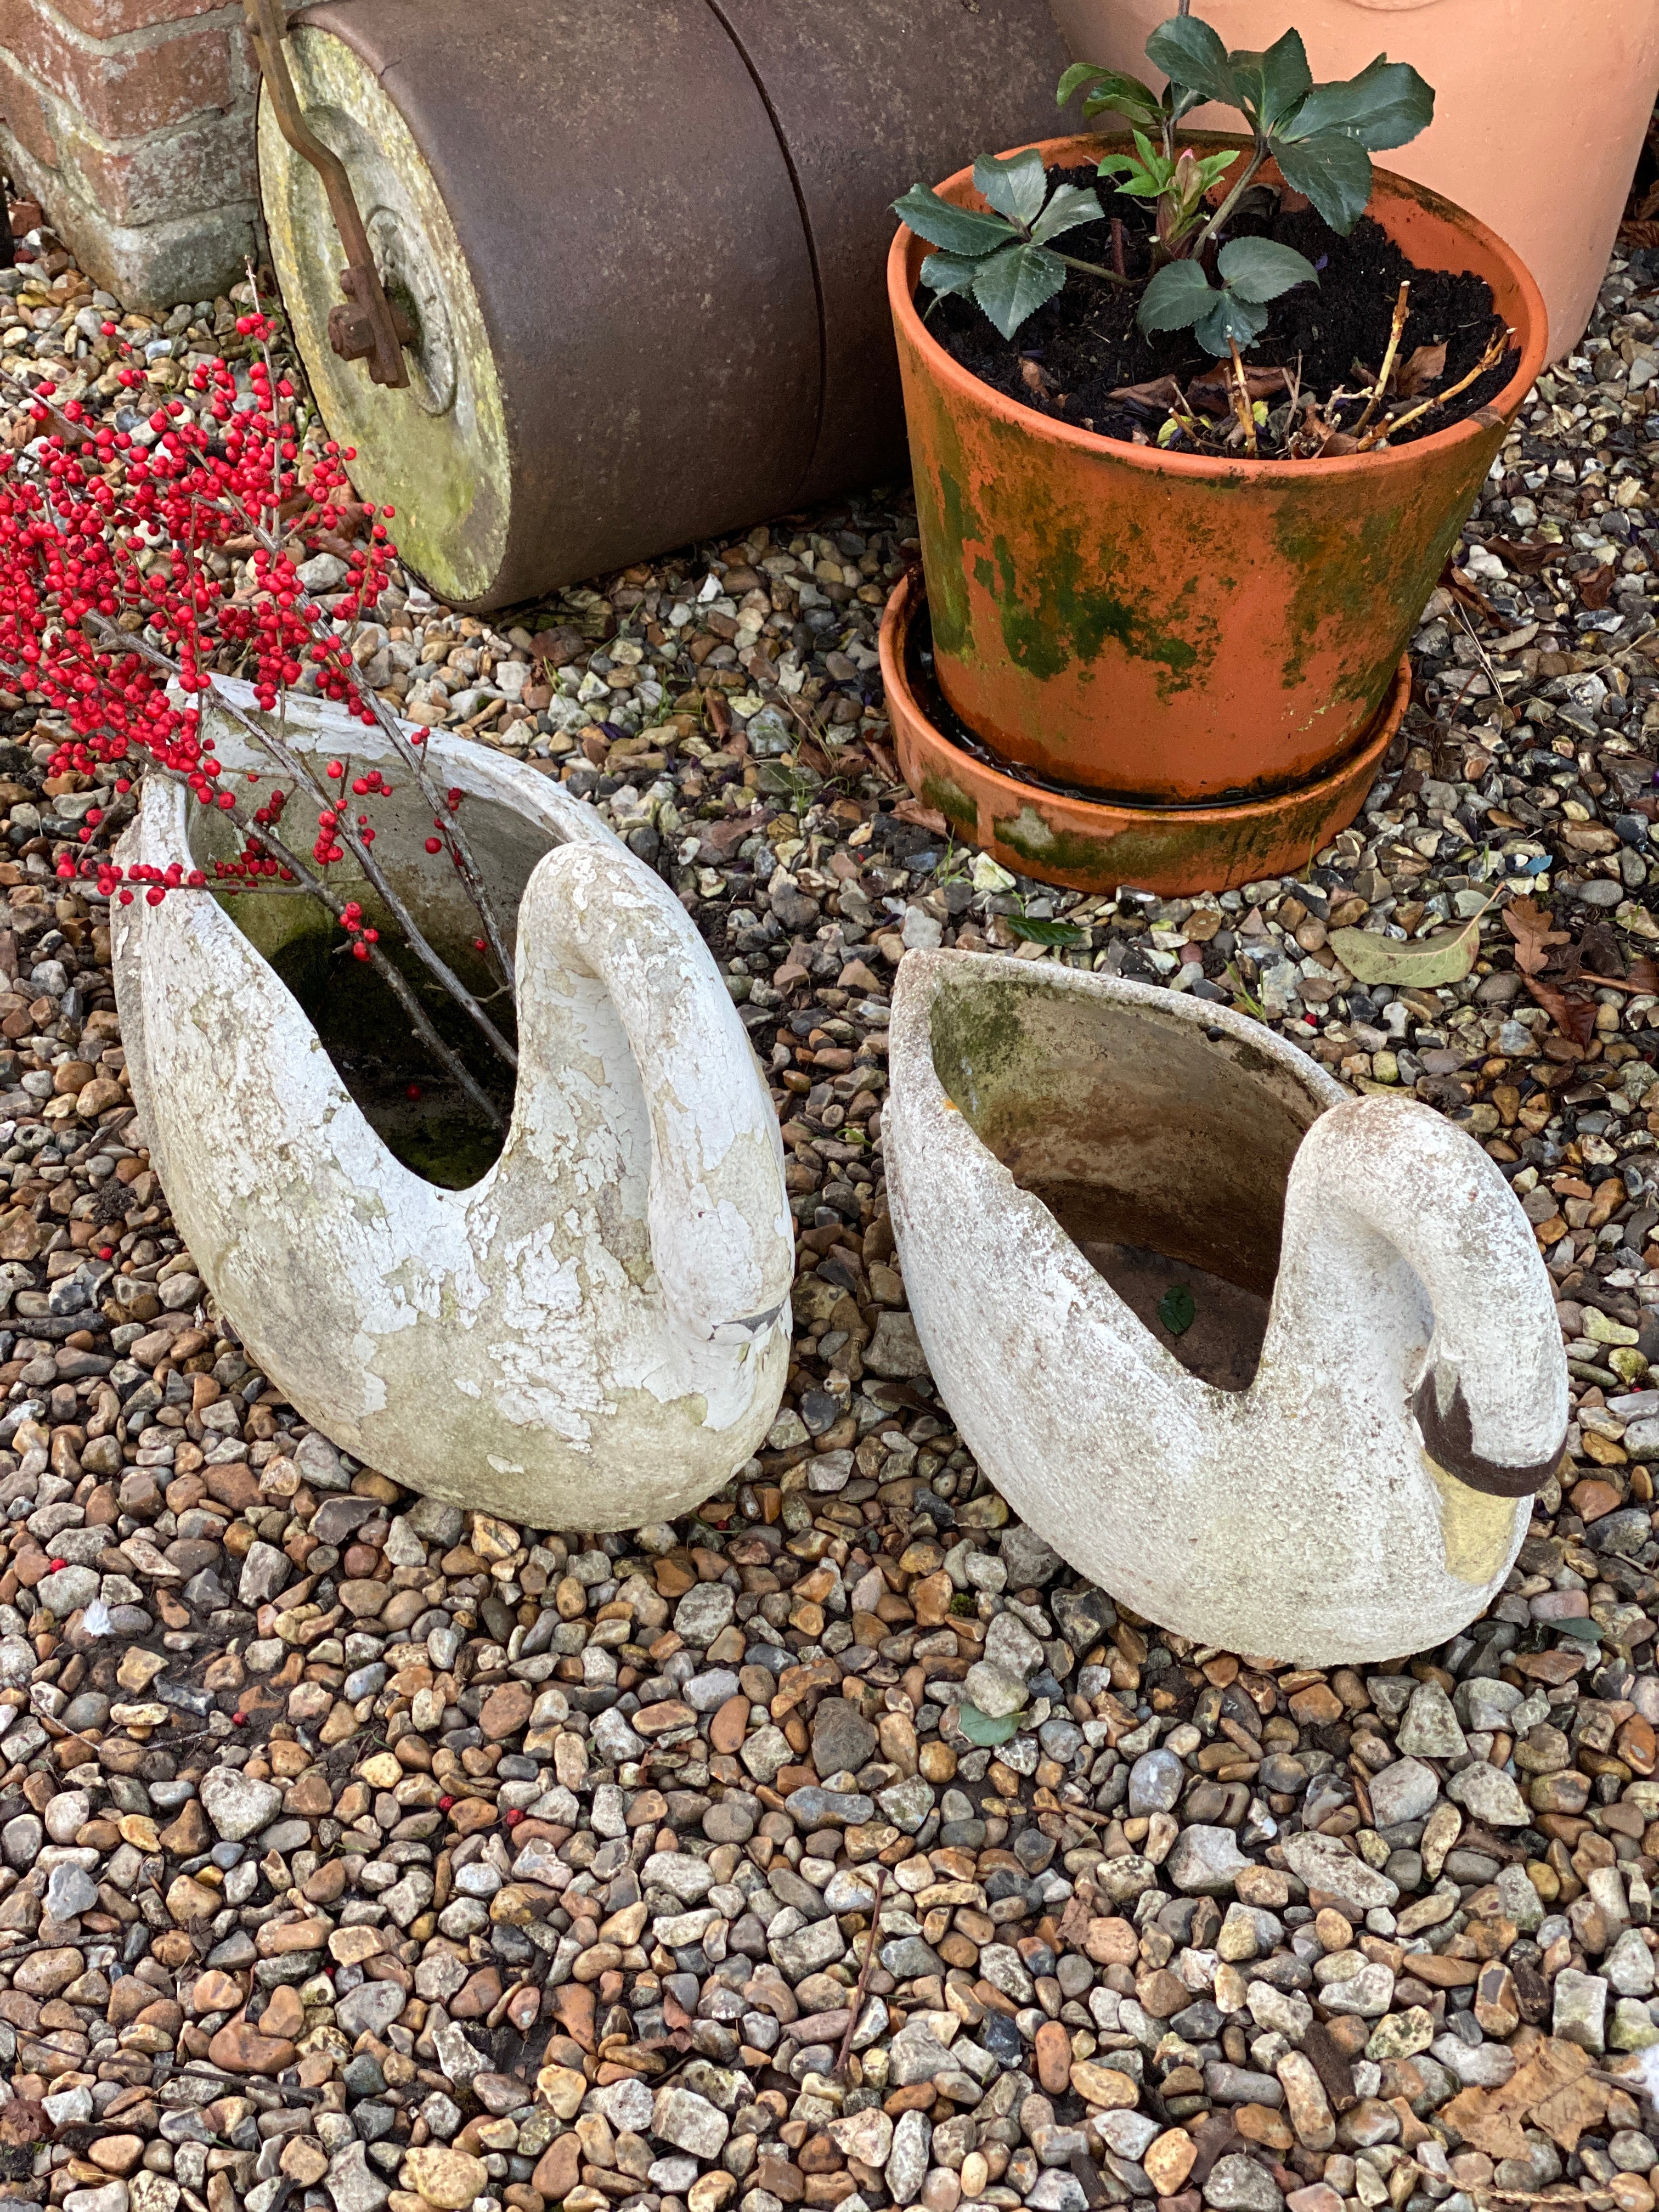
(356, 1851)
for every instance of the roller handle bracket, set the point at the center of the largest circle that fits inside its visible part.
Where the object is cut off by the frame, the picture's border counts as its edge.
(367, 326)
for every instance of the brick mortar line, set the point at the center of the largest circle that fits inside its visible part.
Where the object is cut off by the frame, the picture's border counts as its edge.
(146, 40)
(246, 105)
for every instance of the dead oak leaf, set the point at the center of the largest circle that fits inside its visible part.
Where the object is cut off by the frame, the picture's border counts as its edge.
(1528, 924)
(1215, 387)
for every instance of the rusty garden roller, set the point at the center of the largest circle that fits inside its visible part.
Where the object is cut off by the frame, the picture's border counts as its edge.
(629, 252)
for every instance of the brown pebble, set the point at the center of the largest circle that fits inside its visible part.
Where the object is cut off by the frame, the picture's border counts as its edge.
(1054, 2057)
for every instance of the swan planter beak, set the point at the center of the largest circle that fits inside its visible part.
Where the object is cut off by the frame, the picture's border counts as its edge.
(593, 1335)
(1067, 1153)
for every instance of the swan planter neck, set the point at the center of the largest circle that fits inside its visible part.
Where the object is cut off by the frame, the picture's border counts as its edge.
(1067, 1151)
(593, 1335)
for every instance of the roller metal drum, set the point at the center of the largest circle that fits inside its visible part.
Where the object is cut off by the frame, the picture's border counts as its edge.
(641, 242)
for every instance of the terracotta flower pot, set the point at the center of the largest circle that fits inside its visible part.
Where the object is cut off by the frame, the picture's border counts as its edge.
(1540, 105)
(1172, 629)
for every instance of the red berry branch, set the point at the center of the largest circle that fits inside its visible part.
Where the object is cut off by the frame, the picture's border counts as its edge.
(119, 603)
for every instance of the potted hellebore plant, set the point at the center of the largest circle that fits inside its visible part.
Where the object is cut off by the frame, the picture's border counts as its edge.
(1195, 420)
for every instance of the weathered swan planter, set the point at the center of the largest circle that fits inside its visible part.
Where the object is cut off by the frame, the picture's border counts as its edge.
(593, 1335)
(1386, 1386)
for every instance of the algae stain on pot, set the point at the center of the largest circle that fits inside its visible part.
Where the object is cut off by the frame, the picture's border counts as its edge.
(1080, 607)
(956, 804)
(1343, 564)
(976, 1035)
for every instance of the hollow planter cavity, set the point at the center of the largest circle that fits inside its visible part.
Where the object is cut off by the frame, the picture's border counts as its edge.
(1335, 1462)
(592, 1334)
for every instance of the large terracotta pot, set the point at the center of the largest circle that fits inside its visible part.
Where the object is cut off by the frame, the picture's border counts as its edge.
(1157, 627)
(1540, 105)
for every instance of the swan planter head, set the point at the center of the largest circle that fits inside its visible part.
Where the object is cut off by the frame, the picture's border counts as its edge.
(1387, 1383)
(595, 1333)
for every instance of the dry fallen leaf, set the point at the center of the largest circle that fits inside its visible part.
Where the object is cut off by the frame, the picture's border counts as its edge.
(1216, 387)
(925, 818)
(23, 2121)
(1162, 391)
(1528, 557)
(1530, 925)
(1574, 1017)
(1445, 957)
(1419, 370)
(1595, 587)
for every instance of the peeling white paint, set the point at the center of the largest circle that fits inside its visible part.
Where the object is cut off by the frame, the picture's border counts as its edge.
(1302, 1517)
(568, 1342)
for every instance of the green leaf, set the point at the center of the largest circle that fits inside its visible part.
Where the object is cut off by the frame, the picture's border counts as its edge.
(1231, 319)
(1590, 1630)
(1142, 177)
(1177, 1309)
(1014, 187)
(1333, 170)
(1177, 296)
(1109, 90)
(1071, 206)
(1129, 177)
(949, 272)
(1271, 84)
(1035, 932)
(1258, 269)
(1191, 55)
(1012, 285)
(980, 1728)
(1387, 104)
(958, 230)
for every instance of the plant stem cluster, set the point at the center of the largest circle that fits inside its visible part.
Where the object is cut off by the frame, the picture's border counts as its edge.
(120, 599)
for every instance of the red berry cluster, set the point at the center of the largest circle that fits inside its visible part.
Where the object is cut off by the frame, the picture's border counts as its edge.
(118, 601)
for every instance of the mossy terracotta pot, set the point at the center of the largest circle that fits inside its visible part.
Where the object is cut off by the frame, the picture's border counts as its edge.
(1161, 629)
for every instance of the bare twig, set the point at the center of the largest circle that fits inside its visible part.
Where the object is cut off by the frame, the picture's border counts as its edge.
(863, 1982)
(388, 971)
(294, 765)
(413, 759)
(1117, 246)
(320, 889)
(1242, 406)
(1380, 388)
(1490, 359)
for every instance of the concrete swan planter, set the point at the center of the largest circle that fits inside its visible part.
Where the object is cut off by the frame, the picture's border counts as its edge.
(595, 1333)
(1335, 1461)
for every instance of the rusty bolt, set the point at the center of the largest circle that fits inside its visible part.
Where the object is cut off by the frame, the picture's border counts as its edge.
(351, 332)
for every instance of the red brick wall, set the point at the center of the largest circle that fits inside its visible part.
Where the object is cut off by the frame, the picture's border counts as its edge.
(132, 122)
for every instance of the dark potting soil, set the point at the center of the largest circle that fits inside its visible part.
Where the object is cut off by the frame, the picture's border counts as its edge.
(1087, 343)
